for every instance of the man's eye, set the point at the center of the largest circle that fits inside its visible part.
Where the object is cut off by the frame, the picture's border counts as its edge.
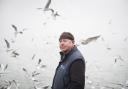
(64, 40)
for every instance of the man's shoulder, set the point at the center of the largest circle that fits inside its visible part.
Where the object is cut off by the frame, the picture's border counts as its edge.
(77, 54)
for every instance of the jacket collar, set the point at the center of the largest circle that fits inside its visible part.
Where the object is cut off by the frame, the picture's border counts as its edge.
(64, 55)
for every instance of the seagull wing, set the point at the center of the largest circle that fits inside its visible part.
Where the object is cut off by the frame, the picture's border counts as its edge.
(42, 66)
(7, 43)
(39, 61)
(90, 39)
(45, 87)
(15, 28)
(24, 69)
(6, 67)
(47, 5)
(33, 56)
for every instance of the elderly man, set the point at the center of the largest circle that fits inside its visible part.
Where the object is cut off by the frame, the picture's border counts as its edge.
(70, 72)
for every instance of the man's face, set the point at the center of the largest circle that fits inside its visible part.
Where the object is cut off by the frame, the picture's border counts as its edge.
(66, 45)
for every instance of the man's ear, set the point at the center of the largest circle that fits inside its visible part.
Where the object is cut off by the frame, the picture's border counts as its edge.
(73, 41)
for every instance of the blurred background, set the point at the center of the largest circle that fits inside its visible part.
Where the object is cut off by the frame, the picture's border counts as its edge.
(29, 46)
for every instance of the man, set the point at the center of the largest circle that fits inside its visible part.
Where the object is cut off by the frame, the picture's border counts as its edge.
(70, 73)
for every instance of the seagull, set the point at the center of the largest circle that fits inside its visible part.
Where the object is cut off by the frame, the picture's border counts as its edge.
(33, 56)
(3, 67)
(6, 67)
(47, 8)
(7, 43)
(90, 39)
(118, 58)
(24, 70)
(39, 65)
(55, 14)
(42, 66)
(9, 85)
(16, 30)
(31, 76)
(35, 73)
(39, 61)
(45, 87)
(108, 48)
(28, 75)
(15, 54)
(16, 84)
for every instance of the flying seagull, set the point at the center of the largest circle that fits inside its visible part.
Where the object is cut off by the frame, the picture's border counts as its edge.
(3, 67)
(33, 56)
(15, 54)
(39, 61)
(46, 87)
(39, 65)
(24, 70)
(90, 39)
(35, 73)
(42, 66)
(55, 14)
(16, 30)
(47, 8)
(9, 85)
(6, 67)
(118, 58)
(16, 84)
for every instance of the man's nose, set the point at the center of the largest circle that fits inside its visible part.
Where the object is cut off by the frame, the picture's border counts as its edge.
(62, 42)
